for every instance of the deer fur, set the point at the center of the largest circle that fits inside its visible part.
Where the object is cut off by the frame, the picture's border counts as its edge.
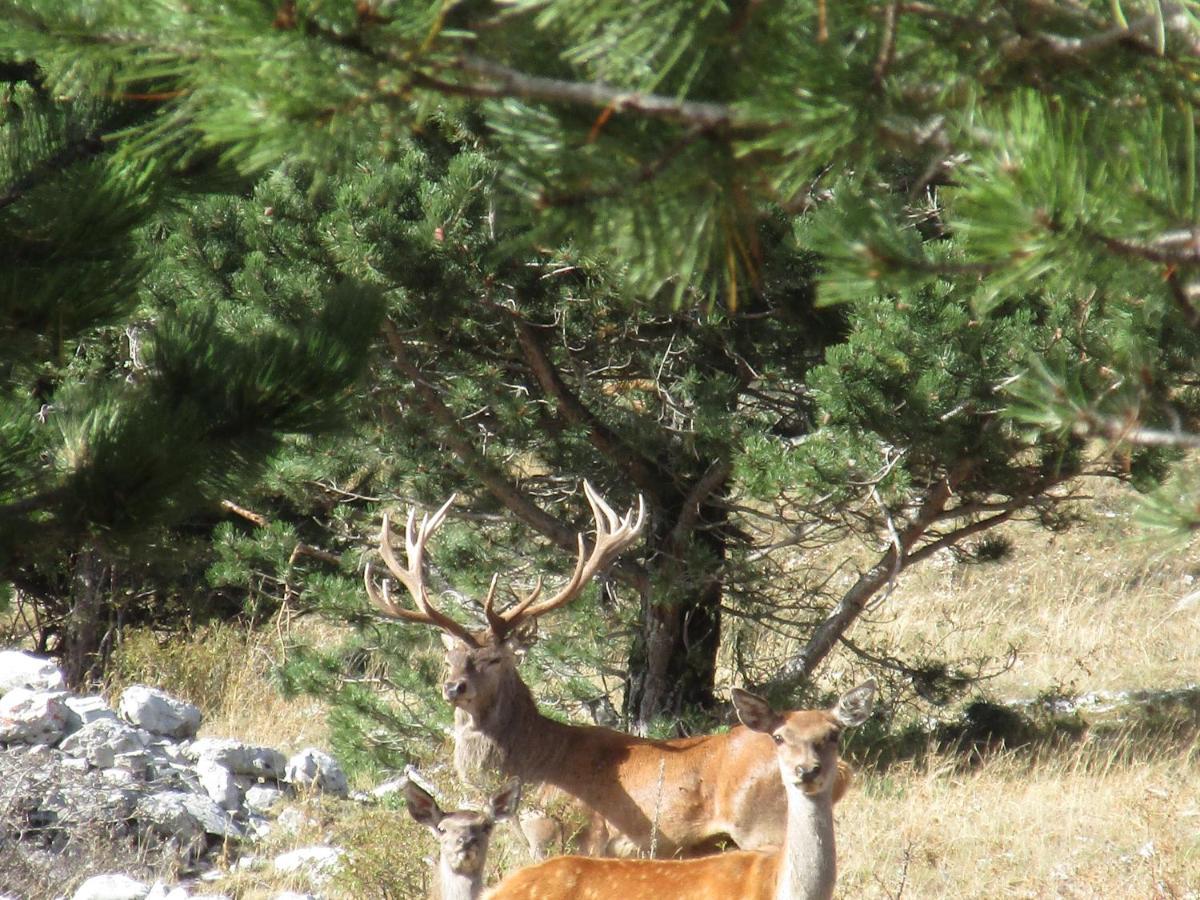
(684, 796)
(463, 837)
(804, 868)
(676, 797)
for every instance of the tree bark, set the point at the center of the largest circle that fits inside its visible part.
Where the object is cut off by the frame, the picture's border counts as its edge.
(83, 633)
(673, 663)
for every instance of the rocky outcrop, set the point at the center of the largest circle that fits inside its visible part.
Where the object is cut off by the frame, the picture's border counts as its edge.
(71, 766)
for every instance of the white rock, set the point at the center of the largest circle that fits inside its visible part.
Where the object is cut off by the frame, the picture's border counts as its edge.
(185, 819)
(292, 895)
(32, 717)
(237, 757)
(102, 741)
(318, 864)
(161, 892)
(158, 712)
(264, 799)
(315, 768)
(85, 710)
(111, 887)
(218, 782)
(293, 819)
(21, 669)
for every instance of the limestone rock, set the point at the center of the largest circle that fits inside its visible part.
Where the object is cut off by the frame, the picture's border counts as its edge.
(111, 887)
(33, 717)
(317, 769)
(237, 757)
(158, 712)
(21, 669)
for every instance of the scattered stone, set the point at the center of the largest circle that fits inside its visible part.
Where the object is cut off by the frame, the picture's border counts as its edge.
(238, 758)
(318, 864)
(161, 892)
(85, 710)
(21, 669)
(111, 887)
(32, 717)
(317, 769)
(102, 741)
(218, 782)
(264, 799)
(158, 712)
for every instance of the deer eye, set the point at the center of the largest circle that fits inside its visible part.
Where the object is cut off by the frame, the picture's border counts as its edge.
(777, 738)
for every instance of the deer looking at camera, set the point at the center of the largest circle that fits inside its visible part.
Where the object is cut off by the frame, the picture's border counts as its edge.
(462, 837)
(804, 868)
(679, 797)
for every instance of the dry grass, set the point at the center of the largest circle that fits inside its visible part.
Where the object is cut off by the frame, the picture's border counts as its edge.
(1085, 826)
(1098, 608)
(225, 670)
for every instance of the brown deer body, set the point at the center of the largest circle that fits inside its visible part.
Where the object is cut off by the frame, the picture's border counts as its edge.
(803, 868)
(463, 837)
(678, 797)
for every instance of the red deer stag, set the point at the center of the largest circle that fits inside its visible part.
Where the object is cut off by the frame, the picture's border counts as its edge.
(804, 868)
(680, 797)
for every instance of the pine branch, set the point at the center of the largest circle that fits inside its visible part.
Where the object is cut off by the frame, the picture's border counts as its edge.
(301, 548)
(86, 147)
(499, 81)
(647, 477)
(496, 481)
(855, 600)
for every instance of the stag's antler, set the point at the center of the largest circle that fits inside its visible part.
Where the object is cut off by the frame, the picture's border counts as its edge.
(613, 534)
(413, 576)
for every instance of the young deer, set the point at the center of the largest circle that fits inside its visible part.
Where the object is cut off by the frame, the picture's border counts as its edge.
(462, 837)
(681, 797)
(804, 868)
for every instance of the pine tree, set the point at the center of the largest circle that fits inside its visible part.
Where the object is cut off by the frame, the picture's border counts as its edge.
(1004, 198)
(121, 414)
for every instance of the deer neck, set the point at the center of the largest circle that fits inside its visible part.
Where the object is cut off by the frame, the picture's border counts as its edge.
(808, 863)
(453, 885)
(506, 737)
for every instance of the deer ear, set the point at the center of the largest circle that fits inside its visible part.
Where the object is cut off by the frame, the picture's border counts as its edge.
(755, 712)
(504, 804)
(855, 705)
(421, 806)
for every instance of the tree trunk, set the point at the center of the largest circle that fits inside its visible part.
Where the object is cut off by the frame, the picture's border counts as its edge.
(83, 634)
(673, 663)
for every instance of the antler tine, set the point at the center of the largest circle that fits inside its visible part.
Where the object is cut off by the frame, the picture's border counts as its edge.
(613, 534)
(412, 576)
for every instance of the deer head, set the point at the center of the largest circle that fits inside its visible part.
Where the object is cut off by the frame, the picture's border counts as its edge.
(478, 661)
(463, 835)
(806, 741)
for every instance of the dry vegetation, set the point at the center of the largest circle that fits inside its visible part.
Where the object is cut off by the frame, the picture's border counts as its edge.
(1112, 812)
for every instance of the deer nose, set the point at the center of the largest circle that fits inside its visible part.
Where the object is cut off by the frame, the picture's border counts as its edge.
(808, 774)
(456, 688)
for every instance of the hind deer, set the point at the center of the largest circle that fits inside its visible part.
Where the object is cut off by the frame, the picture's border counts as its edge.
(680, 797)
(462, 837)
(804, 868)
